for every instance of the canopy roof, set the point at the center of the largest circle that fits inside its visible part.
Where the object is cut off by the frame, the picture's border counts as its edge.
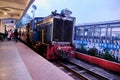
(14, 9)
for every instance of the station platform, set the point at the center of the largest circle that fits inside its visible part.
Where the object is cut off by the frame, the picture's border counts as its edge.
(19, 62)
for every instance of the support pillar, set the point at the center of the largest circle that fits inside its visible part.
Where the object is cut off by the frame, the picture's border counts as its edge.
(1, 26)
(110, 34)
(107, 32)
(93, 33)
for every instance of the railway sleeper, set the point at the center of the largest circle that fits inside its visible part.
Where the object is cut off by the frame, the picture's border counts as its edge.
(82, 71)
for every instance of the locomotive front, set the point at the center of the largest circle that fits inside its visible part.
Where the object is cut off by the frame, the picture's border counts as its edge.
(62, 37)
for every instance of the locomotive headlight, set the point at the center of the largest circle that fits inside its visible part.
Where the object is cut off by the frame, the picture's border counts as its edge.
(59, 48)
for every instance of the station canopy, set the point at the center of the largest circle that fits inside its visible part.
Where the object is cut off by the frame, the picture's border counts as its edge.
(14, 9)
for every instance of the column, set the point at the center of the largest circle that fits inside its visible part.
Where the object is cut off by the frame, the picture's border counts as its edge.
(110, 34)
(93, 33)
(107, 32)
(0, 25)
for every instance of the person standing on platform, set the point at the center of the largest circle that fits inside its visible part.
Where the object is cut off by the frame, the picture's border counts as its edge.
(16, 35)
(6, 33)
(9, 35)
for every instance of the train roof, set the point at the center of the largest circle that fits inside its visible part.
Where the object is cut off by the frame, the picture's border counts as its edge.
(59, 16)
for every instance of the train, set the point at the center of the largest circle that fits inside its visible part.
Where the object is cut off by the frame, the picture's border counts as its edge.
(51, 36)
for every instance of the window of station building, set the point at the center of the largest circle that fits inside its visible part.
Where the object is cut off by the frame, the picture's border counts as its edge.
(116, 32)
(79, 31)
(97, 31)
(103, 31)
(109, 32)
(90, 30)
(86, 31)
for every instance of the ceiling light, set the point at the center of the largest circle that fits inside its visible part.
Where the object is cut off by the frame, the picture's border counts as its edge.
(5, 13)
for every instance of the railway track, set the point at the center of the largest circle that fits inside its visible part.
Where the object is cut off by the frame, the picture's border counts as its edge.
(78, 72)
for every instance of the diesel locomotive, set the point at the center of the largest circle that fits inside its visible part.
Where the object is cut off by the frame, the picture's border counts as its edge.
(52, 36)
